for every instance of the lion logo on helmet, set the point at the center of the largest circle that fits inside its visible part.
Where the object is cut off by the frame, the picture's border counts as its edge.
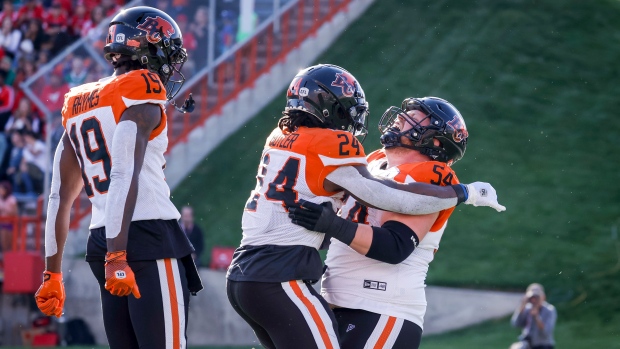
(346, 82)
(460, 130)
(154, 27)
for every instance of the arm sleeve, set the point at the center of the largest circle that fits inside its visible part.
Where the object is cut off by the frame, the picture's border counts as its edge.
(123, 148)
(392, 243)
(51, 246)
(386, 198)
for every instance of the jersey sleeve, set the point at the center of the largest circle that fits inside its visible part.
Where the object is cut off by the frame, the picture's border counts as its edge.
(140, 87)
(432, 172)
(328, 151)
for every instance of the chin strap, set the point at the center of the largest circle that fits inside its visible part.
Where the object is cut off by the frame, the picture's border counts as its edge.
(188, 105)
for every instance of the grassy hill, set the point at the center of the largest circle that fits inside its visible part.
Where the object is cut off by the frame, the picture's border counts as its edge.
(537, 84)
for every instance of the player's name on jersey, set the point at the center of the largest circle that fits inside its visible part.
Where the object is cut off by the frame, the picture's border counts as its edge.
(84, 101)
(283, 141)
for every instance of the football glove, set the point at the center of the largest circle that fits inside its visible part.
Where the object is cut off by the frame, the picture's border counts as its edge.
(322, 219)
(483, 194)
(119, 278)
(50, 296)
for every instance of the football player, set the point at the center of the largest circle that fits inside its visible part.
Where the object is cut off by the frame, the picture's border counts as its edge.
(375, 273)
(113, 147)
(314, 155)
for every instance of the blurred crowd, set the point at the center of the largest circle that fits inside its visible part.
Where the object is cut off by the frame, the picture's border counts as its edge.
(35, 31)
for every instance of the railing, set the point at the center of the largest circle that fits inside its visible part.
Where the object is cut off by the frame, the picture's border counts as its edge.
(289, 24)
(239, 68)
(26, 230)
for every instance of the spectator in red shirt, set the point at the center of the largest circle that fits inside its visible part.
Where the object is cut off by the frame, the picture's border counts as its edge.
(8, 10)
(32, 9)
(53, 94)
(55, 27)
(7, 99)
(78, 19)
(55, 19)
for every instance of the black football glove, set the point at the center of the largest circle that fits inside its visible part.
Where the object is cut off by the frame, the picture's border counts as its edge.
(322, 219)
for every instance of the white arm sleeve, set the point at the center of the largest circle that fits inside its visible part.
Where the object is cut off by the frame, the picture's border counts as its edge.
(51, 246)
(386, 198)
(123, 147)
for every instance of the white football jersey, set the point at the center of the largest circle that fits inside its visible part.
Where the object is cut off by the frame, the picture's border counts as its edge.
(90, 115)
(293, 167)
(358, 282)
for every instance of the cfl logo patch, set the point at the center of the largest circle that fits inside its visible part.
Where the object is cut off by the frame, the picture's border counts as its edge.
(483, 192)
(120, 274)
(120, 37)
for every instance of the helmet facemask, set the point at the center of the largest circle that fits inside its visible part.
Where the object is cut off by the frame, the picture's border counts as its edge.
(394, 120)
(445, 124)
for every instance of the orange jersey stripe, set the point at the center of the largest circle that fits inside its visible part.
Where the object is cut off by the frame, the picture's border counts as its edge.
(315, 315)
(174, 305)
(385, 334)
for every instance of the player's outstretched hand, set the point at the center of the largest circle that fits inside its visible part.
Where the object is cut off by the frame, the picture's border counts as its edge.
(119, 278)
(50, 296)
(312, 216)
(483, 194)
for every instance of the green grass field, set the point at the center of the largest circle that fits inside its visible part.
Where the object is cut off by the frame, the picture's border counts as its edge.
(537, 84)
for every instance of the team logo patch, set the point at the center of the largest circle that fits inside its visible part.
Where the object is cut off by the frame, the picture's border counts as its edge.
(120, 274)
(375, 285)
(346, 82)
(120, 37)
(458, 124)
(155, 27)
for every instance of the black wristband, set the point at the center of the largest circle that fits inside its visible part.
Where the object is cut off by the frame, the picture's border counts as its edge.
(342, 230)
(461, 193)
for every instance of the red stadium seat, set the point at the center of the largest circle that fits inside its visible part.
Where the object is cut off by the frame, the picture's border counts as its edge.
(221, 257)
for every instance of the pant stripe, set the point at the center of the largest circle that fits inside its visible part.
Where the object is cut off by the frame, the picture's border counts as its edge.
(180, 302)
(313, 312)
(385, 333)
(170, 287)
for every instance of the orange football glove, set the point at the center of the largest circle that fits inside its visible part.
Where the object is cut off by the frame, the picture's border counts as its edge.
(119, 278)
(50, 296)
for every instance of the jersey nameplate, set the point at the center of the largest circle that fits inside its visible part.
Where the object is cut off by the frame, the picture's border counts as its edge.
(282, 141)
(84, 101)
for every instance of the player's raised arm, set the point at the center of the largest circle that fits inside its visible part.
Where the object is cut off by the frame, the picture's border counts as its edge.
(66, 185)
(128, 149)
